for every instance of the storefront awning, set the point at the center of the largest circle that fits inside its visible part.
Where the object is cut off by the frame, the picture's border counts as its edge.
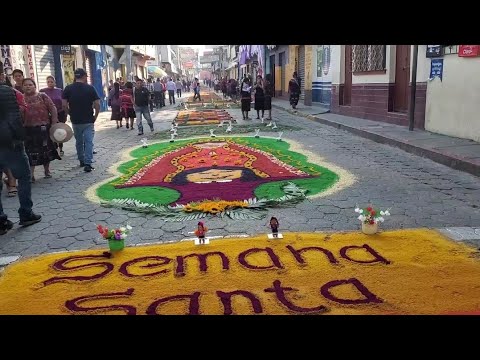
(155, 71)
(231, 65)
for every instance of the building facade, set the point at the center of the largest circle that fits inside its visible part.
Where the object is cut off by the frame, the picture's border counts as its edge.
(453, 105)
(373, 82)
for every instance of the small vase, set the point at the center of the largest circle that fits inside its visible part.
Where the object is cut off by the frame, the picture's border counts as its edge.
(116, 245)
(369, 229)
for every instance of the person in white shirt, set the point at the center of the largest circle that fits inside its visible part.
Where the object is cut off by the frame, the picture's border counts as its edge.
(171, 88)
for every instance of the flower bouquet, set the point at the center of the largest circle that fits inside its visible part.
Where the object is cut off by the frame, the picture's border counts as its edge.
(370, 218)
(115, 237)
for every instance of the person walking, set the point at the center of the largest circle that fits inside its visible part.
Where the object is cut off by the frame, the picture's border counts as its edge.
(268, 90)
(171, 88)
(114, 99)
(55, 94)
(13, 156)
(79, 101)
(126, 105)
(259, 97)
(41, 114)
(18, 78)
(246, 97)
(294, 90)
(158, 94)
(179, 88)
(141, 99)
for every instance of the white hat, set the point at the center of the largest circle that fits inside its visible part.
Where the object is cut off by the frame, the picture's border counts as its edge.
(61, 132)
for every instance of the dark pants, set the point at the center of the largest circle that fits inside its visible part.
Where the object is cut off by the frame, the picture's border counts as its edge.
(17, 161)
(179, 93)
(158, 98)
(171, 96)
(150, 102)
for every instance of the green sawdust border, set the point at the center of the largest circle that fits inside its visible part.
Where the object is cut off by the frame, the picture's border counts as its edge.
(339, 177)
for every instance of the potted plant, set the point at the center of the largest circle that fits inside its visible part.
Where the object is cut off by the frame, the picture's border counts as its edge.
(115, 237)
(370, 218)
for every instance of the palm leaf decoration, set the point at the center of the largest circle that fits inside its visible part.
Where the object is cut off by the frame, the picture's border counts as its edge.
(255, 210)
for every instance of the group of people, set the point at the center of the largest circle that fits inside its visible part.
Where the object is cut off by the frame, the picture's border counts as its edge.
(263, 92)
(129, 102)
(26, 117)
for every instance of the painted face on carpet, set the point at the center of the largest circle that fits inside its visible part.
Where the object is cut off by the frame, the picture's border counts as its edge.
(215, 176)
(209, 170)
(395, 272)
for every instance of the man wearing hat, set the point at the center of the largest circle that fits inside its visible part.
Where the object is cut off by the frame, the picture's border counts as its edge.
(13, 156)
(79, 100)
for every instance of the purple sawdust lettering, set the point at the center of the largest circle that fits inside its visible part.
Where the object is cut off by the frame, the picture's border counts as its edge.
(242, 259)
(279, 290)
(369, 296)
(73, 305)
(298, 256)
(60, 265)
(162, 261)
(376, 255)
(226, 298)
(193, 308)
(202, 259)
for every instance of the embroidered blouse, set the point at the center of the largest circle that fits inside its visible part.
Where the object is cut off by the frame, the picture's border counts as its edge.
(39, 110)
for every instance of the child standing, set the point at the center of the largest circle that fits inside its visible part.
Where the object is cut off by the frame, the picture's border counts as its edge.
(200, 232)
(274, 226)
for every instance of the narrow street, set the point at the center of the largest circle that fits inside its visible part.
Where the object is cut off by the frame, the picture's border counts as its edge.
(419, 192)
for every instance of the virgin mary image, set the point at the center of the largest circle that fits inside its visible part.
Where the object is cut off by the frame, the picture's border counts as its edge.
(213, 170)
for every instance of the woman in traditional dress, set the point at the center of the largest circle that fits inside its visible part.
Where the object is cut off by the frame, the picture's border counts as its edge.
(55, 94)
(41, 114)
(115, 103)
(126, 104)
(294, 90)
(259, 97)
(268, 90)
(246, 97)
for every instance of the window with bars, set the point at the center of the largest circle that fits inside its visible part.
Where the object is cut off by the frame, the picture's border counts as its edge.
(319, 60)
(450, 49)
(368, 58)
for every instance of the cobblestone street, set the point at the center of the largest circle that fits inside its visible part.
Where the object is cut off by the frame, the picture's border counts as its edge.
(420, 192)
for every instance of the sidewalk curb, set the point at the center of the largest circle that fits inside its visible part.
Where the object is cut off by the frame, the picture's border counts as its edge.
(444, 159)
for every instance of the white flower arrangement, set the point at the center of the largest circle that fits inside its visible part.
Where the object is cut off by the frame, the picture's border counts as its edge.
(371, 216)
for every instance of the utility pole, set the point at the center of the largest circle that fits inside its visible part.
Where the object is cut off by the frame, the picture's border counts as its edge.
(128, 59)
(413, 90)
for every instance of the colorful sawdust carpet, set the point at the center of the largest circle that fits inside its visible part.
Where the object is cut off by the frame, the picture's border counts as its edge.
(209, 105)
(205, 117)
(394, 272)
(197, 131)
(205, 96)
(216, 176)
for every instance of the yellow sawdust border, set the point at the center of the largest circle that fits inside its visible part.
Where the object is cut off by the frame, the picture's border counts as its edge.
(345, 180)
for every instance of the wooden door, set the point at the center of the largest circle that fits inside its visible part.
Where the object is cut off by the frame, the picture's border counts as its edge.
(402, 79)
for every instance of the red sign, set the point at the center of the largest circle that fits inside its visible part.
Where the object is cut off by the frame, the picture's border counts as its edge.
(468, 50)
(188, 64)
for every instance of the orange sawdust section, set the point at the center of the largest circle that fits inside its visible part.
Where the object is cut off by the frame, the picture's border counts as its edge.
(410, 272)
